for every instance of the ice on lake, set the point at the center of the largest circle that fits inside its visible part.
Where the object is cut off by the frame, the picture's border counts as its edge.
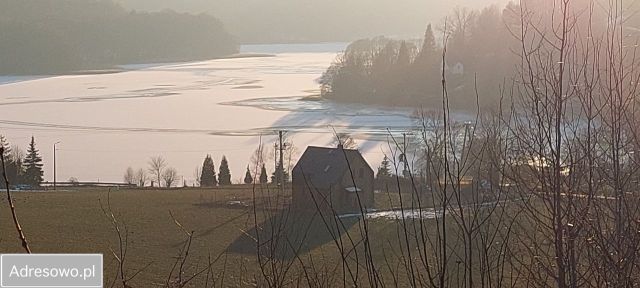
(183, 111)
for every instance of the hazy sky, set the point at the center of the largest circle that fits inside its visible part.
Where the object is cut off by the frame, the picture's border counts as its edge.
(311, 20)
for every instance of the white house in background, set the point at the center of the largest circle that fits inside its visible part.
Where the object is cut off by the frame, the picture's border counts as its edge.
(456, 69)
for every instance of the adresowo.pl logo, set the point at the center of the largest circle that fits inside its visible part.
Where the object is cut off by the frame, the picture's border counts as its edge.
(51, 270)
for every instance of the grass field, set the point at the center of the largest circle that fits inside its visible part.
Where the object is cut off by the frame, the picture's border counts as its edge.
(73, 221)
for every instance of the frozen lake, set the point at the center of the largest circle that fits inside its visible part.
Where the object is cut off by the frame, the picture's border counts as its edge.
(184, 111)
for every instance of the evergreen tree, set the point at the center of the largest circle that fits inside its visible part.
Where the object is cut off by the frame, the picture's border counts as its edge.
(33, 165)
(429, 49)
(263, 175)
(404, 56)
(402, 71)
(8, 164)
(224, 177)
(275, 176)
(384, 171)
(426, 67)
(248, 179)
(208, 174)
(382, 72)
(6, 148)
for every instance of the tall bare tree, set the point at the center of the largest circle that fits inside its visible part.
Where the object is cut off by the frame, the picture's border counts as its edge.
(170, 176)
(345, 140)
(141, 177)
(156, 166)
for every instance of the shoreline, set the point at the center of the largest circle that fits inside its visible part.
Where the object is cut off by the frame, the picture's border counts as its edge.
(120, 68)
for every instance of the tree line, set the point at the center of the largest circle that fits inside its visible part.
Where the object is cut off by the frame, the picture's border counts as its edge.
(159, 174)
(61, 36)
(26, 169)
(21, 168)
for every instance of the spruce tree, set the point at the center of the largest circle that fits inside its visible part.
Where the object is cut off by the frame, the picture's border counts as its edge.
(224, 176)
(404, 56)
(384, 171)
(248, 179)
(33, 165)
(429, 50)
(8, 164)
(263, 175)
(6, 148)
(208, 174)
(275, 176)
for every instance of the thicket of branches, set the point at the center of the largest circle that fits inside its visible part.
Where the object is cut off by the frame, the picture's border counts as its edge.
(542, 191)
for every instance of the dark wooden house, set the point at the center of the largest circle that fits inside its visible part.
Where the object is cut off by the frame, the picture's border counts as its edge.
(332, 179)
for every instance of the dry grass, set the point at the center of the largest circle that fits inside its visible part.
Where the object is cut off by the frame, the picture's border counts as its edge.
(72, 221)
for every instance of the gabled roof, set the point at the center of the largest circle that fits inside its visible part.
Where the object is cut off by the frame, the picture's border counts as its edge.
(323, 167)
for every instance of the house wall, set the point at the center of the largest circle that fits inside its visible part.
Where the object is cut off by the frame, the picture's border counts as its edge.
(363, 177)
(300, 197)
(341, 200)
(311, 200)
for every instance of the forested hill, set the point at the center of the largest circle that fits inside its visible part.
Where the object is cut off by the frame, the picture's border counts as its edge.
(61, 36)
(483, 57)
(408, 73)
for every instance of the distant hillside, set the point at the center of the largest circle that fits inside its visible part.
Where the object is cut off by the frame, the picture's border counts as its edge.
(60, 36)
(263, 21)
